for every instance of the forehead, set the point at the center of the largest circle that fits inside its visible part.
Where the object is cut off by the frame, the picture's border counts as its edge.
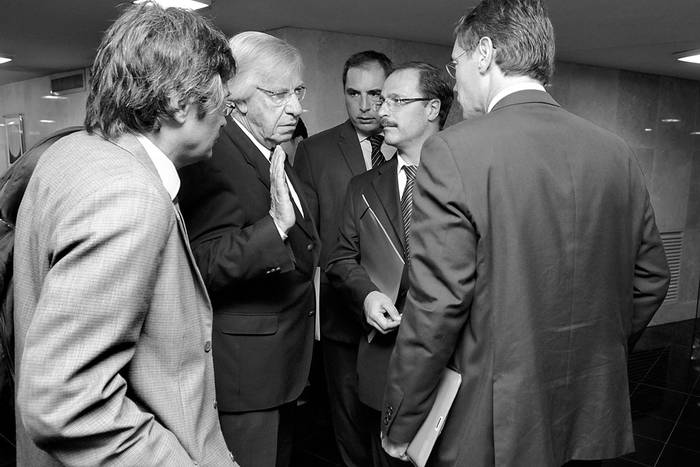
(273, 81)
(365, 77)
(402, 83)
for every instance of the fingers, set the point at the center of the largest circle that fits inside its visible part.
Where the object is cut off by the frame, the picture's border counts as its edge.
(277, 180)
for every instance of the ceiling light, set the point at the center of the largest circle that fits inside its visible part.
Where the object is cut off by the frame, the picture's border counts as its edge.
(54, 96)
(671, 120)
(647, 130)
(695, 133)
(690, 56)
(47, 121)
(5, 59)
(185, 4)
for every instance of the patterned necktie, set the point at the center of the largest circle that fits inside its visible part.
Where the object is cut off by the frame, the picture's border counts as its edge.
(407, 202)
(377, 156)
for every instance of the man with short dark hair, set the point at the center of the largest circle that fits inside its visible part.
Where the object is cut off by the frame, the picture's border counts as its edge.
(113, 323)
(536, 263)
(255, 241)
(326, 162)
(376, 224)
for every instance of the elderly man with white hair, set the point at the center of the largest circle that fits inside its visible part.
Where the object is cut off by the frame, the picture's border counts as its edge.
(256, 246)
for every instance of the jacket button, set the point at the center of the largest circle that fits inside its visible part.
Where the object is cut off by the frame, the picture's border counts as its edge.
(207, 346)
(310, 246)
(311, 313)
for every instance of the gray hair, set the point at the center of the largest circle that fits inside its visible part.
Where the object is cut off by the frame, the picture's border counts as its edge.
(259, 57)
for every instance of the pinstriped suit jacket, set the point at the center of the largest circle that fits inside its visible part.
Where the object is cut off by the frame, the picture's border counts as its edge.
(113, 323)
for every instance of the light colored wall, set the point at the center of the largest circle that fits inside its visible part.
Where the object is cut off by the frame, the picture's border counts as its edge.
(25, 97)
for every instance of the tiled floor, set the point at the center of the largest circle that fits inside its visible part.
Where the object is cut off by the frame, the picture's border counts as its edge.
(665, 390)
(665, 396)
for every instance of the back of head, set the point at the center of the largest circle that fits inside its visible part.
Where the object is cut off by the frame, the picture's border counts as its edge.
(520, 31)
(433, 85)
(365, 58)
(151, 63)
(259, 57)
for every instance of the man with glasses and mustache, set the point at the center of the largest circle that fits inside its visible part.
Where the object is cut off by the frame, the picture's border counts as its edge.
(326, 162)
(252, 233)
(414, 104)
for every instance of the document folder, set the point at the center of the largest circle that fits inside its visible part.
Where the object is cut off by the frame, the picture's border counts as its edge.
(381, 259)
(422, 444)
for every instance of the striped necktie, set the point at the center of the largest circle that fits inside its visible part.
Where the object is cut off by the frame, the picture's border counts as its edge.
(377, 156)
(407, 202)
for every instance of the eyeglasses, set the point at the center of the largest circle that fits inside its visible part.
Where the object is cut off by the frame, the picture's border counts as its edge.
(451, 67)
(228, 109)
(280, 98)
(394, 103)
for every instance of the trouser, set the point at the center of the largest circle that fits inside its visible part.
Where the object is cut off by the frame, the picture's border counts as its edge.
(349, 416)
(262, 438)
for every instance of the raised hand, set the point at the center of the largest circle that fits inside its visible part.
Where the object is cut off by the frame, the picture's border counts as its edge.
(281, 207)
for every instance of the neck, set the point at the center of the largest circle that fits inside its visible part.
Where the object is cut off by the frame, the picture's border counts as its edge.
(166, 142)
(501, 82)
(410, 155)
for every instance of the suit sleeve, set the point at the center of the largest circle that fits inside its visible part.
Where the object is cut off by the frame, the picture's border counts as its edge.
(73, 398)
(651, 273)
(344, 270)
(442, 278)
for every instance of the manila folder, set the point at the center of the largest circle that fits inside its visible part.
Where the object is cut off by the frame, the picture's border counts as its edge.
(422, 444)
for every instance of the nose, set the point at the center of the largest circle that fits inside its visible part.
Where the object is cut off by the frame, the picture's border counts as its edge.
(365, 104)
(383, 110)
(293, 107)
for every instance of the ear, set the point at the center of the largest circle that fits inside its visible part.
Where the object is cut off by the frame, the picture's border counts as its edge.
(180, 115)
(486, 56)
(433, 109)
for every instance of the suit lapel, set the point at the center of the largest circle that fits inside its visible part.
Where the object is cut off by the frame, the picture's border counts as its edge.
(350, 149)
(254, 157)
(250, 151)
(306, 222)
(386, 188)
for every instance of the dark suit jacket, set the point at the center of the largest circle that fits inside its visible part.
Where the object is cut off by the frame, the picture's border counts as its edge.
(535, 256)
(261, 287)
(326, 162)
(356, 238)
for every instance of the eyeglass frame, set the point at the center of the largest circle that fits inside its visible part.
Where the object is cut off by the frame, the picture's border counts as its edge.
(451, 66)
(394, 103)
(228, 108)
(281, 98)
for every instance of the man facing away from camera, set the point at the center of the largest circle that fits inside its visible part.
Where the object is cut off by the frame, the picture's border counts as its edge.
(535, 264)
(113, 321)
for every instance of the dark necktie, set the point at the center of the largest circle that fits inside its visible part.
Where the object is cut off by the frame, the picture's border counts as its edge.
(407, 202)
(377, 156)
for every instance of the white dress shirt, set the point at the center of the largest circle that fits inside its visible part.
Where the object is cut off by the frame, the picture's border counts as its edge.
(401, 174)
(164, 166)
(511, 89)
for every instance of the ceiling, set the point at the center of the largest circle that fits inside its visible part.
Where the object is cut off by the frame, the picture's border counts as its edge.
(50, 36)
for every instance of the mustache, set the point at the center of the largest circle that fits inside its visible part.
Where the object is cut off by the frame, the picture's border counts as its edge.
(385, 122)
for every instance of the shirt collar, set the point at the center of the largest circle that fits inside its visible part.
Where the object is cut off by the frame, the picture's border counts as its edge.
(164, 166)
(267, 152)
(511, 89)
(401, 162)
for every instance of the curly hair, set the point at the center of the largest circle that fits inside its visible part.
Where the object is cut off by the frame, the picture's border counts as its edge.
(151, 63)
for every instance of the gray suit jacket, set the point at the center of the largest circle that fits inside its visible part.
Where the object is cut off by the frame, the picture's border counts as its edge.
(113, 323)
(535, 256)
